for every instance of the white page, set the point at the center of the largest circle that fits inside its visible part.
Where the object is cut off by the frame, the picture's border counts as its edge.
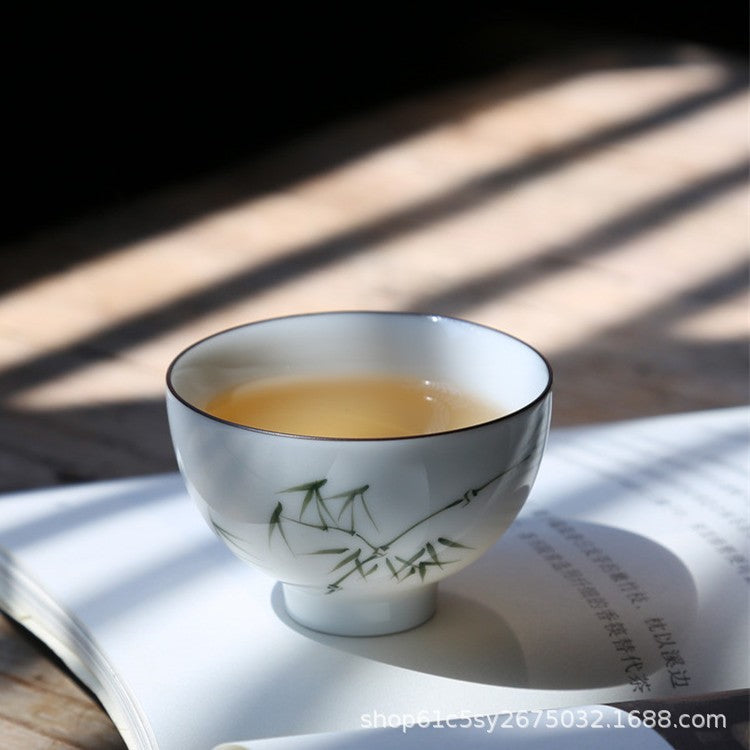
(583, 728)
(624, 577)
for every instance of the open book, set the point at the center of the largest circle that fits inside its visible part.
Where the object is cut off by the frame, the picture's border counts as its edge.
(626, 576)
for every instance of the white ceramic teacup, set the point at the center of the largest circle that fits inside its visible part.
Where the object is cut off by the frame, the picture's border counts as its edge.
(359, 531)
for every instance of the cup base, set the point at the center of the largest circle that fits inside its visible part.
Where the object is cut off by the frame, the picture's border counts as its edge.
(342, 615)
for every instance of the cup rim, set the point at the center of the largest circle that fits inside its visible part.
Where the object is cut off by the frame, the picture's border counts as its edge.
(395, 313)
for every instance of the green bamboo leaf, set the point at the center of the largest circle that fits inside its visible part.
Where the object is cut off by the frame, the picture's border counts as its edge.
(391, 567)
(367, 510)
(422, 570)
(431, 552)
(416, 556)
(320, 503)
(323, 524)
(361, 570)
(226, 534)
(347, 560)
(406, 563)
(347, 503)
(309, 486)
(450, 543)
(305, 502)
(350, 496)
(347, 493)
(410, 573)
(412, 559)
(235, 543)
(275, 523)
(332, 551)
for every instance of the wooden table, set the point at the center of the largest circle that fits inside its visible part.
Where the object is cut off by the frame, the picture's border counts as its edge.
(594, 206)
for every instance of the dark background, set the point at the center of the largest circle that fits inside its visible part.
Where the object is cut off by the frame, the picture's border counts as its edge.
(103, 105)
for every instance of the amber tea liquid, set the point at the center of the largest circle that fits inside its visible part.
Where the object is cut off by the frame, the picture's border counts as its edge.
(350, 407)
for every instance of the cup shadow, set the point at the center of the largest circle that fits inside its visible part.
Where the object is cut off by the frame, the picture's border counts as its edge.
(487, 652)
(511, 620)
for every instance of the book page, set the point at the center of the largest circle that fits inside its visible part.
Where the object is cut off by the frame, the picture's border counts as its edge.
(625, 576)
(582, 728)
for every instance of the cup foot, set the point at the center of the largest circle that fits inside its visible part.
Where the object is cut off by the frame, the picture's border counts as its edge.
(347, 615)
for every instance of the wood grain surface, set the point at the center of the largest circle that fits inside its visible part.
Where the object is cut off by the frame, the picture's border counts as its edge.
(595, 206)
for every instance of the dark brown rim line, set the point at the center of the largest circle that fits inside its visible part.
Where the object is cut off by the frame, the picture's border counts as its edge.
(543, 395)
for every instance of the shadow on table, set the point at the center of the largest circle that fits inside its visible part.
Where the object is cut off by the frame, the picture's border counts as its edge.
(80, 443)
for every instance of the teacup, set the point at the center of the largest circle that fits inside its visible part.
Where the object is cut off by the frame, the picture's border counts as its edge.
(359, 531)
